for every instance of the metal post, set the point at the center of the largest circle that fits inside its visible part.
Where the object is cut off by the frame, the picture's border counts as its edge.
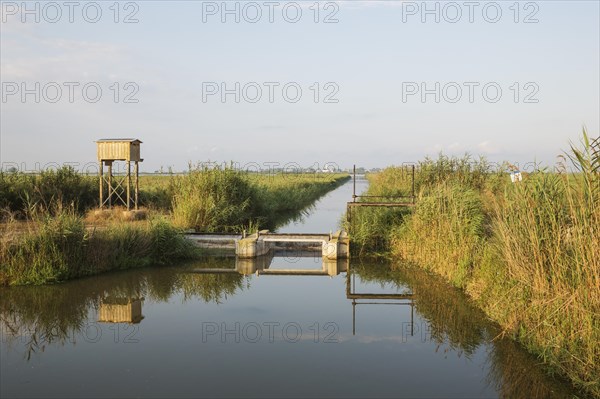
(137, 184)
(412, 323)
(354, 184)
(110, 187)
(413, 184)
(353, 317)
(101, 176)
(348, 218)
(128, 185)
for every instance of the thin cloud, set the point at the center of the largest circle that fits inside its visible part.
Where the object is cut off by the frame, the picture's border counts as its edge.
(486, 147)
(27, 55)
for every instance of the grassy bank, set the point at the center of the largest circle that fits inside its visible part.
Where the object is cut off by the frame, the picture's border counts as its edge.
(229, 200)
(61, 248)
(527, 253)
(60, 243)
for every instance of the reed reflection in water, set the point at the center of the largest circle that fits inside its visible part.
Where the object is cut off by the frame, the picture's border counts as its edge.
(34, 319)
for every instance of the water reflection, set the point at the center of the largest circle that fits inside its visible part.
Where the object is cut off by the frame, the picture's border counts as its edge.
(456, 325)
(261, 265)
(36, 318)
(58, 314)
(120, 310)
(452, 320)
(372, 298)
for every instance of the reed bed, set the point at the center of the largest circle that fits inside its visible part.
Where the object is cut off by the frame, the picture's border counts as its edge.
(26, 195)
(282, 196)
(58, 243)
(60, 248)
(228, 200)
(527, 252)
(211, 199)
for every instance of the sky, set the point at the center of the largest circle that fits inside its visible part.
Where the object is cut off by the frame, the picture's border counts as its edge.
(304, 83)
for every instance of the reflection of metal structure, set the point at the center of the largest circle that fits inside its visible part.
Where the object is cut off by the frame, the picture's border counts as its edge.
(401, 299)
(120, 310)
(260, 266)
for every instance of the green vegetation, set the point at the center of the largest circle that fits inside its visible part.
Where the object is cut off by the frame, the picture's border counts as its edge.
(211, 199)
(48, 192)
(280, 197)
(228, 200)
(527, 253)
(28, 195)
(58, 242)
(61, 248)
(208, 199)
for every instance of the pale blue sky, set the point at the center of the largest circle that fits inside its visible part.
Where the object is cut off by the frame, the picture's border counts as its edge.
(369, 54)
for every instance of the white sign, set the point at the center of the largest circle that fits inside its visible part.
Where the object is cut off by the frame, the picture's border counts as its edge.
(516, 176)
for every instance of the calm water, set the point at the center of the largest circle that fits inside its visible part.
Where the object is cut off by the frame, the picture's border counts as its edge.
(357, 330)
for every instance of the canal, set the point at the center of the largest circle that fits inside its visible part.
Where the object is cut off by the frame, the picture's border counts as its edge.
(361, 329)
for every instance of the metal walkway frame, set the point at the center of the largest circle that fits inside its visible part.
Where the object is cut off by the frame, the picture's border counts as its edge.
(406, 200)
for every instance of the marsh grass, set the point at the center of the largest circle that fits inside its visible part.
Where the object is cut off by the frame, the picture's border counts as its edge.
(228, 200)
(47, 192)
(209, 200)
(57, 243)
(204, 198)
(26, 195)
(369, 229)
(61, 247)
(369, 226)
(527, 252)
(281, 197)
(446, 186)
(53, 252)
(448, 207)
(547, 232)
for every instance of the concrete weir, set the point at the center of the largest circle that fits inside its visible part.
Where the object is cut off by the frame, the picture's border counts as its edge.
(332, 246)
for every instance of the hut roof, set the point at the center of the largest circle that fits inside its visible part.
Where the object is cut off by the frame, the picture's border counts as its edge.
(118, 140)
